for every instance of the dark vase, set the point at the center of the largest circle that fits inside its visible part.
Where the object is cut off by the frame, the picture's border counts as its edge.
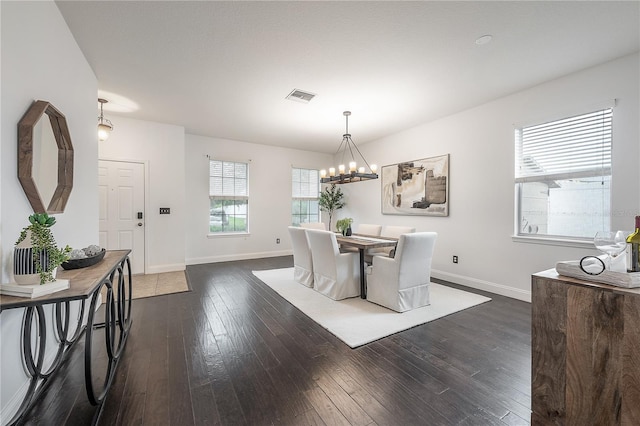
(348, 233)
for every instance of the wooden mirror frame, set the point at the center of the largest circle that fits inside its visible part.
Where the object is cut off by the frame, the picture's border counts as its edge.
(25, 157)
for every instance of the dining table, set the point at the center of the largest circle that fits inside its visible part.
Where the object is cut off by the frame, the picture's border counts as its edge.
(362, 243)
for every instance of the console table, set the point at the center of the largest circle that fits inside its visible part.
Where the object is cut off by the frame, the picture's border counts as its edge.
(85, 285)
(585, 342)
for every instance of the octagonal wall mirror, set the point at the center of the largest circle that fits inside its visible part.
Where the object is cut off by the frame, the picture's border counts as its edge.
(45, 158)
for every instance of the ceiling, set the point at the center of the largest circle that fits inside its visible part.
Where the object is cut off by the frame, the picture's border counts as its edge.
(223, 69)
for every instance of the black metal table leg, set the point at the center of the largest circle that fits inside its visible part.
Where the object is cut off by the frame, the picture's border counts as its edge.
(117, 321)
(33, 357)
(363, 284)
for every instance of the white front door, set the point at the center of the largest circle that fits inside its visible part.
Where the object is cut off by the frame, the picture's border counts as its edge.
(122, 215)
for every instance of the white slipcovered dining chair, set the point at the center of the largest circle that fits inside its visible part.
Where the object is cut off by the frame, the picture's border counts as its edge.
(367, 229)
(395, 231)
(391, 232)
(314, 225)
(402, 283)
(335, 274)
(302, 263)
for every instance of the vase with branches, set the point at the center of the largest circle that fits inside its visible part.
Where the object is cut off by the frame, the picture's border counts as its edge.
(331, 199)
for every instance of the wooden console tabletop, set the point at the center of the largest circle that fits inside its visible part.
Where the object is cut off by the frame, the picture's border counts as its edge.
(82, 283)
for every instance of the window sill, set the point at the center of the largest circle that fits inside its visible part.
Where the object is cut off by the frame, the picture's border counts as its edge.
(553, 241)
(229, 235)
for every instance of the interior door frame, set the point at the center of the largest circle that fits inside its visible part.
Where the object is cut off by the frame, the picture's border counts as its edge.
(145, 164)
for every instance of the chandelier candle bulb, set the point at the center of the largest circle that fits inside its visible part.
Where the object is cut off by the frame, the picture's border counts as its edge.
(332, 171)
(352, 166)
(323, 173)
(361, 170)
(374, 168)
(341, 169)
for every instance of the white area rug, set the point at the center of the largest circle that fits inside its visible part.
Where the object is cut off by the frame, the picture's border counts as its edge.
(356, 321)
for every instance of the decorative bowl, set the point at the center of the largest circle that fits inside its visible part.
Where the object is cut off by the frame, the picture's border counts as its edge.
(84, 262)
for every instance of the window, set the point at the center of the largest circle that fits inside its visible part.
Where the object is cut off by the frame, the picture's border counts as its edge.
(305, 191)
(228, 196)
(563, 176)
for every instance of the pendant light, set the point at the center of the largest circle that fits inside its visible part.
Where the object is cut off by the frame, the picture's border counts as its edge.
(104, 126)
(355, 173)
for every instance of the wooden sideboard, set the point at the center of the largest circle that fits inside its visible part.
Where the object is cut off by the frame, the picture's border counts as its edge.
(585, 342)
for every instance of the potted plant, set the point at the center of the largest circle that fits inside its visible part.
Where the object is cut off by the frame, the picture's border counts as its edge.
(344, 226)
(331, 199)
(36, 255)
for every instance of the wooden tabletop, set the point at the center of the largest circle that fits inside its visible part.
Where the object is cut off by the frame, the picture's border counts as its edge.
(82, 283)
(366, 241)
(553, 274)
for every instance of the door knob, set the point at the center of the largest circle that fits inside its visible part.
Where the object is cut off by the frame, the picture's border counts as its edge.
(139, 223)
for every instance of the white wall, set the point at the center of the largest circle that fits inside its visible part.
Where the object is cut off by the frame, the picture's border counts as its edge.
(161, 148)
(1, 127)
(480, 142)
(269, 198)
(41, 60)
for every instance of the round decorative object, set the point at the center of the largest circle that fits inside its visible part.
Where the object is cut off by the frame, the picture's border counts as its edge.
(83, 262)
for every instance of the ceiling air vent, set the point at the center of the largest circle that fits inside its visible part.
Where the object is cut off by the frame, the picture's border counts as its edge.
(300, 96)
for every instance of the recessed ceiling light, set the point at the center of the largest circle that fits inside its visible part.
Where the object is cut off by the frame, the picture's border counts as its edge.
(484, 39)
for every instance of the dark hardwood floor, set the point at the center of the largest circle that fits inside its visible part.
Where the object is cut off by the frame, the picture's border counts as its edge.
(233, 352)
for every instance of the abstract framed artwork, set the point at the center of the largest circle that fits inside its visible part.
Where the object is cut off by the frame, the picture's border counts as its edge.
(418, 187)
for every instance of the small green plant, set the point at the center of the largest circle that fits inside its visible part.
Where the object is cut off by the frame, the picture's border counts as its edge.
(331, 199)
(343, 224)
(42, 241)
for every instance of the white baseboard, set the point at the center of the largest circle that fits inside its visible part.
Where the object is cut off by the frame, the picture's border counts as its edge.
(500, 289)
(503, 290)
(159, 269)
(233, 257)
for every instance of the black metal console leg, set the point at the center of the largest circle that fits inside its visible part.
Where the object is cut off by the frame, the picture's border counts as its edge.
(117, 324)
(33, 357)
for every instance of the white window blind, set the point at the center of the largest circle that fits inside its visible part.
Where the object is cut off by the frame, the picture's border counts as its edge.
(228, 197)
(305, 192)
(228, 179)
(578, 146)
(305, 183)
(563, 176)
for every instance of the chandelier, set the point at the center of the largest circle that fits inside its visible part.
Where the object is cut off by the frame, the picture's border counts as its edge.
(104, 126)
(355, 173)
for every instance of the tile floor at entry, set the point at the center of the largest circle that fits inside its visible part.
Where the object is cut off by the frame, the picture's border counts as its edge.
(157, 284)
